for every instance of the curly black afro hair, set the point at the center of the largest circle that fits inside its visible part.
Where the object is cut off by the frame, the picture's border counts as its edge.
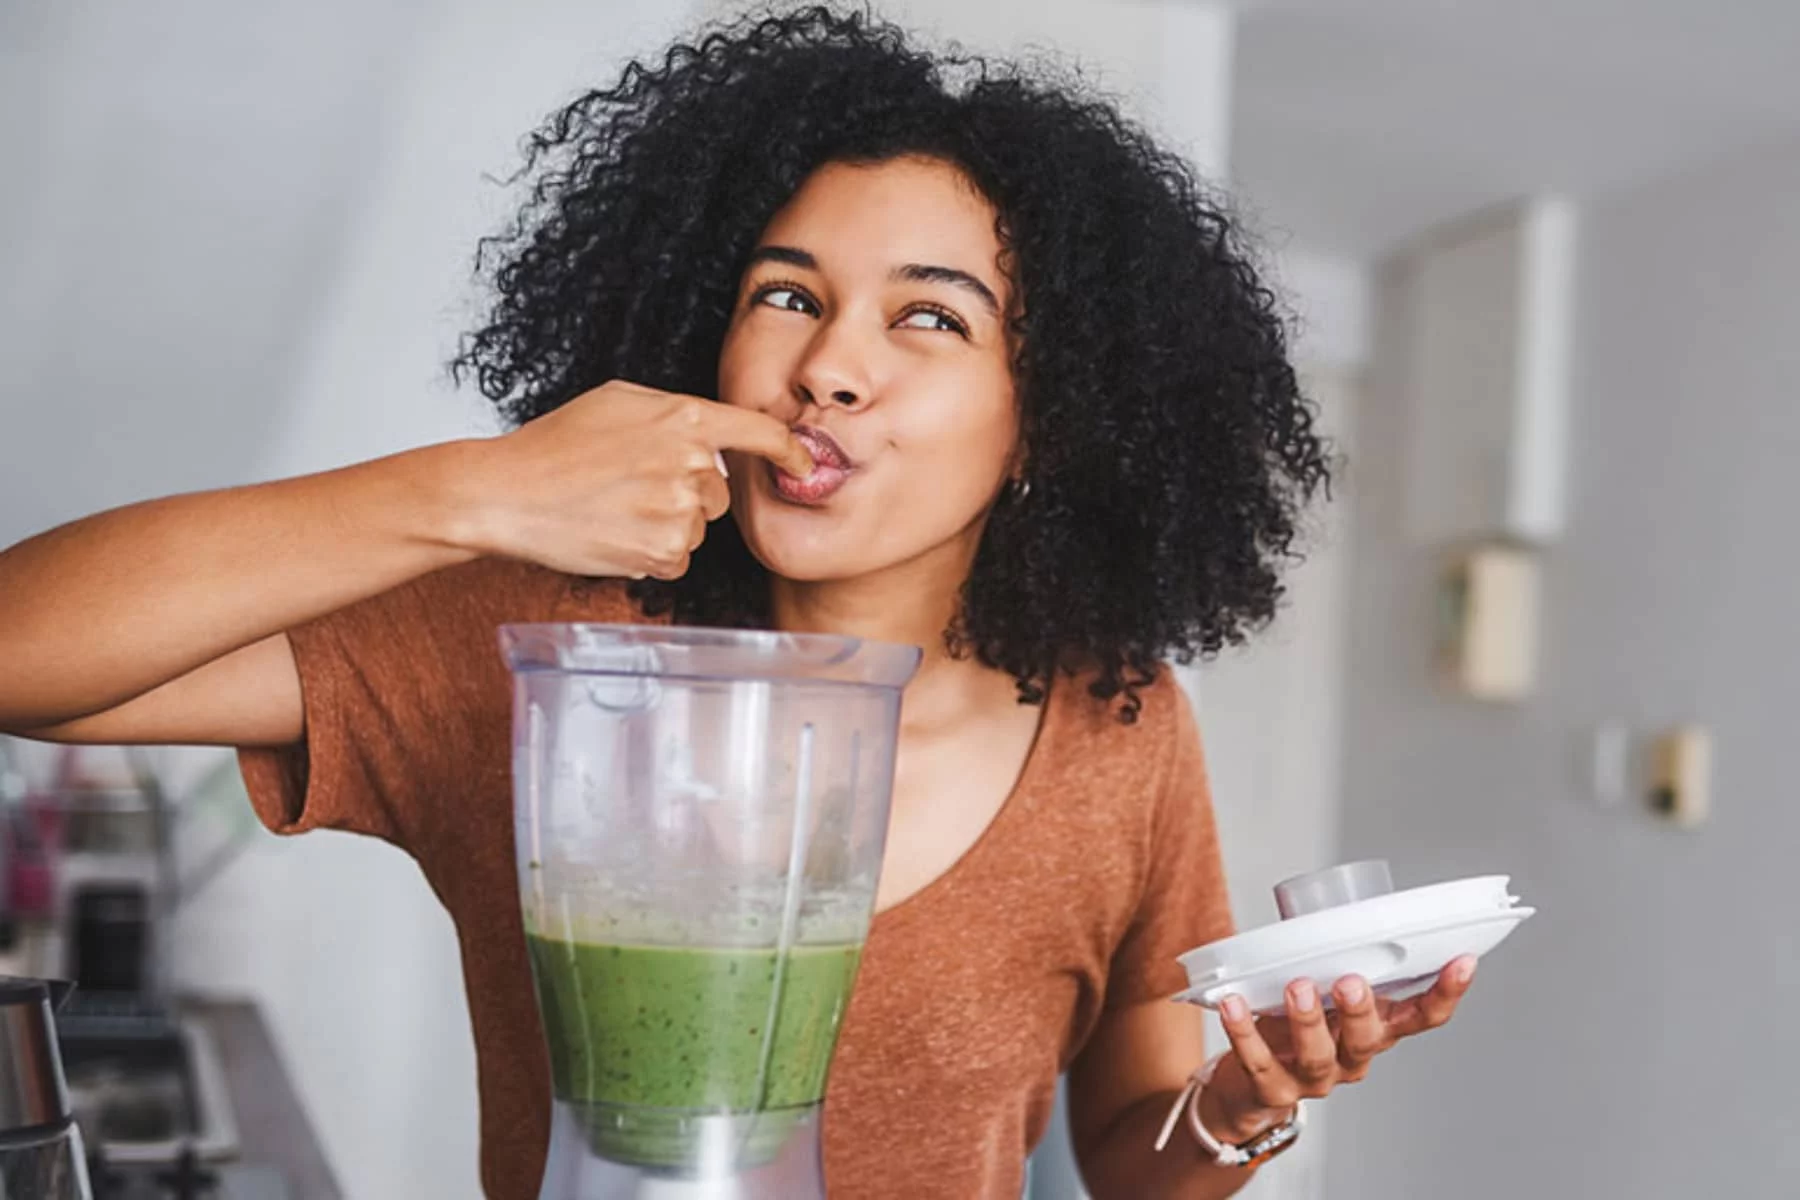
(1169, 451)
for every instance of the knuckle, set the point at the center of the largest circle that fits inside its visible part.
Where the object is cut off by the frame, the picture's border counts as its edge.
(1279, 1093)
(666, 500)
(1314, 1066)
(1262, 1067)
(617, 391)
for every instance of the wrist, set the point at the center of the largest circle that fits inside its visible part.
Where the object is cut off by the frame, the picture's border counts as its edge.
(444, 505)
(1228, 1107)
(1233, 1135)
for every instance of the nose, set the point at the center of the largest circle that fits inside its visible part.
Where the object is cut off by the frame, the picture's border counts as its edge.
(834, 371)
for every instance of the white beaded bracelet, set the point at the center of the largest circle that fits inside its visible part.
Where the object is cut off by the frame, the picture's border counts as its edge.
(1260, 1149)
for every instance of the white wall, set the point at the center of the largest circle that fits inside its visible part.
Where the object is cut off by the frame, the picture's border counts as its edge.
(1634, 1039)
(1331, 306)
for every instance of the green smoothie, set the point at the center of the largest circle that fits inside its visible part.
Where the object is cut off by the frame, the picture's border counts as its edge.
(685, 1028)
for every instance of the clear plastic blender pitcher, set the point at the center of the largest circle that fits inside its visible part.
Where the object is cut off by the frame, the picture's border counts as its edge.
(699, 816)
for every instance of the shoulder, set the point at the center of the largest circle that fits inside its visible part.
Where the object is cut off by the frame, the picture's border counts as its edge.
(468, 601)
(503, 590)
(1115, 764)
(1164, 717)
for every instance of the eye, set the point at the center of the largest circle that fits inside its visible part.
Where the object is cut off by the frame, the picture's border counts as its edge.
(789, 297)
(927, 316)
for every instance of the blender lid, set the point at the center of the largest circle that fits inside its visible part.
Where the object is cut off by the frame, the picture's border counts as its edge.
(1399, 941)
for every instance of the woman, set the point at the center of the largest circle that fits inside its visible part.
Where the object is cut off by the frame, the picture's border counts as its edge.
(973, 365)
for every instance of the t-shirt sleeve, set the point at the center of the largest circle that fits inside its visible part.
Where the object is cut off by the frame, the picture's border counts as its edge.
(401, 691)
(1185, 902)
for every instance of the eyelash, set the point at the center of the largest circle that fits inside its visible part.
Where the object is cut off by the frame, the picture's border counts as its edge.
(954, 321)
(764, 291)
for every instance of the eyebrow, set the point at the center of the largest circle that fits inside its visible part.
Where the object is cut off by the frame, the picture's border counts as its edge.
(922, 273)
(910, 272)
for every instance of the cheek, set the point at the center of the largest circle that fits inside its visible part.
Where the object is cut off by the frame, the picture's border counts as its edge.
(969, 431)
(731, 367)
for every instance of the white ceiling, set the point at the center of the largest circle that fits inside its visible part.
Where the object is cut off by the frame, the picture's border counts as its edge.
(1358, 123)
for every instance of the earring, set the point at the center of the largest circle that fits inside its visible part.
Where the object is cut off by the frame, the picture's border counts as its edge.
(1021, 488)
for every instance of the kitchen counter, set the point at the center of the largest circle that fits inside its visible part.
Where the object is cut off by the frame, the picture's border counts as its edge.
(272, 1127)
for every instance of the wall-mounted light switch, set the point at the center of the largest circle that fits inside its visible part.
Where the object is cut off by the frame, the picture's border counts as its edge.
(1488, 622)
(1681, 775)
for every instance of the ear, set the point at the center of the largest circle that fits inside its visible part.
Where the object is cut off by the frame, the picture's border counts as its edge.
(1018, 462)
(1018, 477)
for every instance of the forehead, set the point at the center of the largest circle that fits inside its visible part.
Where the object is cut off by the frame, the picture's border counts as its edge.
(907, 210)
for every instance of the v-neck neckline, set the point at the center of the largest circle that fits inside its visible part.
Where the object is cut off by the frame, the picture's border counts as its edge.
(1012, 810)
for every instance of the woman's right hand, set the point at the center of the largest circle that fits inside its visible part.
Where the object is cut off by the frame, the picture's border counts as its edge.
(621, 481)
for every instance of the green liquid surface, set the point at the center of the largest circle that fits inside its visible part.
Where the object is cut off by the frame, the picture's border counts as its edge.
(685, 1028)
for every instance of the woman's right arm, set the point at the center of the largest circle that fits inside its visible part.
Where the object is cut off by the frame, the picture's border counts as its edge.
(165, 621)
(166, 618)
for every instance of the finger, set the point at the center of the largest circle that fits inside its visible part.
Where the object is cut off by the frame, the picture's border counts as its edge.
(715, 494)
(1315, 1052)
(1438, 1005)
(1362, 1033)
(669, 569)
(1275, 1087)
(726, 427)
(696, 532)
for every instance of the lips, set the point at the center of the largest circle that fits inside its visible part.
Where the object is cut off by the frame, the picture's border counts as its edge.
(832, 469)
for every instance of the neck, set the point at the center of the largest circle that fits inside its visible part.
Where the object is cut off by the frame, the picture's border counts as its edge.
(913, 604)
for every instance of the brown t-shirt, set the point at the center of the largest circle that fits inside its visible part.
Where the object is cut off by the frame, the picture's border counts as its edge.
(973, 994)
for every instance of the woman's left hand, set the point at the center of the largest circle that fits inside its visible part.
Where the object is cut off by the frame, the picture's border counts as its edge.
(1277, 1061)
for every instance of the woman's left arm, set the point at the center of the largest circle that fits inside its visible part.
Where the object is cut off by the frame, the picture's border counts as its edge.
(1136, 1063)
(1120, 1088)
(1131, 1071)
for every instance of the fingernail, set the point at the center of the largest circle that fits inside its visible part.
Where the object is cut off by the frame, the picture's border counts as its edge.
(1235, 1008)
(1352, 991)
(1303, 995)
(1465, 970)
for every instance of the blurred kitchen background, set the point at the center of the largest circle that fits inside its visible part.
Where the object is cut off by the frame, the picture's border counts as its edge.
(1543, 260)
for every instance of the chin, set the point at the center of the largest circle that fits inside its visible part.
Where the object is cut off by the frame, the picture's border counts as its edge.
(808, 560)
(805, 545)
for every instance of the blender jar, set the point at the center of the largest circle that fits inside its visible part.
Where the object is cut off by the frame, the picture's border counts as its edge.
(699, 818)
